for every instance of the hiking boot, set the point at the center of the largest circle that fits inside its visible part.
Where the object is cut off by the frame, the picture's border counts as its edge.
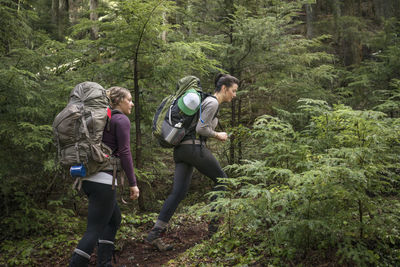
(154, 239)
(79, 259)
(105, 251)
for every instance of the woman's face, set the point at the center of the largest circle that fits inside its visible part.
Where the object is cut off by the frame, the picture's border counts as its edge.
(229, 92)
(126, 104)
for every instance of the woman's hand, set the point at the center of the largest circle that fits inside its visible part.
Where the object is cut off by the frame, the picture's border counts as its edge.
(134, 192)
(221, 136)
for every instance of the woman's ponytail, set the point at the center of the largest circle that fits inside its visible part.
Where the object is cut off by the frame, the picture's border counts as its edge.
(224, 79)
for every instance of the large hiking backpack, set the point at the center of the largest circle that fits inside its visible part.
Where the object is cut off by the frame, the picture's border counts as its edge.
(170, 123)
(78, 129)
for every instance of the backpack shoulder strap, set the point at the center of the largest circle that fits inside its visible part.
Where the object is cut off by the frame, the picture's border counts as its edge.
(110, 113)
(204, 95)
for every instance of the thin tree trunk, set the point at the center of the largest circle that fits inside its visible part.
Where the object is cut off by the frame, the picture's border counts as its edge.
(385, 8)
(54, 12)
(94, 33)
(233, 124)
(240, 155)
(360, 214)
(138, 149)
(229, 13)
(73, 10)
(309, 20)
(138, 146)
(336, 13)
(63, 18)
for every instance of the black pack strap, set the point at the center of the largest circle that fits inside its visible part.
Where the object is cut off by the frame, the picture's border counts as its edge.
(118, 173)
(170, 113)
(108, 127)
(108, 122)
(115, 168)
(122, 181)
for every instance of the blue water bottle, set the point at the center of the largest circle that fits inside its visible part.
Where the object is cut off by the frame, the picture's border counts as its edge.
(78, 171)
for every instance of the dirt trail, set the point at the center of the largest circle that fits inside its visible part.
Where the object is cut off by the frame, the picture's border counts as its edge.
(137, 253)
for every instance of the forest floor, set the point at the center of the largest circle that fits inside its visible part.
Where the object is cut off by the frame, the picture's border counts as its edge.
(138, 253)
(185, 232)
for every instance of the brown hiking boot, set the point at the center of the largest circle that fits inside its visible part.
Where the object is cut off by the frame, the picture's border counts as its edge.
(154, 239)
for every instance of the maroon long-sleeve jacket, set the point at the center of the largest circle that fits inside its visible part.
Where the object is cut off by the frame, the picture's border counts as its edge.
(118, 139)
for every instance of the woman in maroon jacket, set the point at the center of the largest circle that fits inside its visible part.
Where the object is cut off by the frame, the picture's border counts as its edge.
(104, 215)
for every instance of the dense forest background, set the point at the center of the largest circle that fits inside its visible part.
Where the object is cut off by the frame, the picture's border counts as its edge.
(314, 155)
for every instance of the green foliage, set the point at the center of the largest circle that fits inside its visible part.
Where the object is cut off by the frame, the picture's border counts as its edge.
(318, 182)
(130, 224)
(373, 83)
(390, 99)
(331, 186)
(27, 104)
(40, 245)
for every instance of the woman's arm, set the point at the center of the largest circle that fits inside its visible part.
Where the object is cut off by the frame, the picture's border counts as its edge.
(207, 127)
(209, 121)
(122, 133)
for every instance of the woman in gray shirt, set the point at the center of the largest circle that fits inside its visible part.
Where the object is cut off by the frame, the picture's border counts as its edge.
(192, 154)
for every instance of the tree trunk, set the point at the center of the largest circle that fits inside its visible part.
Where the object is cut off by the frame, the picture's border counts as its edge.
(337, 13)
(138, 146)
(309, 20)
(74, 6)
(229, 14)
(63, 19)
(385, 8)
(54, 12)
(138, 141)
(94, 33)
(239, 118)
(233, 124)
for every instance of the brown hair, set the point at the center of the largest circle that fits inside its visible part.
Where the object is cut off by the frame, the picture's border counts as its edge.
(224, 79)
(116, 94)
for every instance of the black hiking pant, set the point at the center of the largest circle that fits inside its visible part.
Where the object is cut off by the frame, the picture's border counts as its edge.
(104, 215)
(187, 157)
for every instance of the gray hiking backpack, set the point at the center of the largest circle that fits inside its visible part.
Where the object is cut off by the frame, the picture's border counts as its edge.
(170, 123)
(78, 130)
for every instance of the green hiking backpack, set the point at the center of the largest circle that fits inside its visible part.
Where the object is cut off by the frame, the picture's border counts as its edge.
(173, 120)
(78, 130)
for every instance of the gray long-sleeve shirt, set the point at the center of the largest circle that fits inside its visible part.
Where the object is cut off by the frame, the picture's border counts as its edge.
(209, 110)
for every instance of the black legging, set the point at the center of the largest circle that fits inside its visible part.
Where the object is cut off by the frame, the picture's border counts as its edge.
(186, 158)
(104, 216)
